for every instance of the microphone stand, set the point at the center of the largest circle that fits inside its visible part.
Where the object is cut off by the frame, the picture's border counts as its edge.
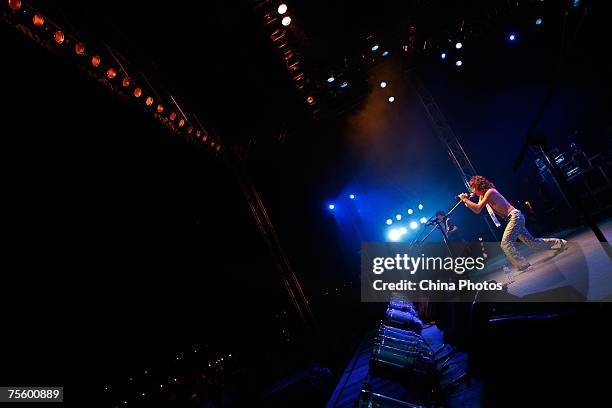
(433, 221)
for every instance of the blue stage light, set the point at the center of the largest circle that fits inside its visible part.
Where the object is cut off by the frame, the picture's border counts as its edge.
(374, 48)
(410, 211)
(385, 53)
(420, 206)
(331, 206)
(414, 225)
(538, 21)
(389, 221)
(443, 55)
(352, 196)
(458, 45)
(394, 234)
(344, 85)
(459, 63)
(512, 37)
(331, 79)
(398, 217)
(423, 220)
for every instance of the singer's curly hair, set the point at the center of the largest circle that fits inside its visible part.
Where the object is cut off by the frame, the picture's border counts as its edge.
(480, 183)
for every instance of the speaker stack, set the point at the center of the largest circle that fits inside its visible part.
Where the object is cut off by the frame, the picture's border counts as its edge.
(402, 355)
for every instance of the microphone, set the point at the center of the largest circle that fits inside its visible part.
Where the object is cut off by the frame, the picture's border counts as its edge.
(470, 195)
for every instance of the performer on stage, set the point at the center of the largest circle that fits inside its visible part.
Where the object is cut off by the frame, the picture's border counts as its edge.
(487, 194)
(450, 228)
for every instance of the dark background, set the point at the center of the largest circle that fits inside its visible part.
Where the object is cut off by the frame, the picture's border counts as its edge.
(124, 244)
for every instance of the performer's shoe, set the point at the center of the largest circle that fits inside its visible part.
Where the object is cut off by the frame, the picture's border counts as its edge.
(560, 247)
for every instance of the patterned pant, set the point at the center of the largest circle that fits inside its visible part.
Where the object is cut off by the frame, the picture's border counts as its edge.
(516, 229)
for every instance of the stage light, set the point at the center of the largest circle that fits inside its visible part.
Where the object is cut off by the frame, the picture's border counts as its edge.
(137, 92)
(344, 85)
(398, 217)
(403, 230)
(310, 100)
(538, 21)
(79, 48)
(420, 206)
(414, 225)
(59, 37)
(282, 9)
(391, 99)
(95, 60)
(459, 63)
(14, 4)
(160, 108)
(423, 220)
(394, 234)
(385, 53)
(286, 21)
(111, 73)
(126, 82)
(410, 211)
(352, 196)
(181, 122)
(149, 101)
(172, 116)
(331, 79)
(331, 206)
(38, 20)
(512, 37)
(443, 55)
(458, 45)
(389, 221)
(374, 48)
(383, 84)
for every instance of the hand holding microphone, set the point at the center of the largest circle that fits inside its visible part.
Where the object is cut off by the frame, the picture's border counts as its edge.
(465, 196)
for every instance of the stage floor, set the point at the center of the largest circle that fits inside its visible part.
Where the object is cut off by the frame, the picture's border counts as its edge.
(583, 272)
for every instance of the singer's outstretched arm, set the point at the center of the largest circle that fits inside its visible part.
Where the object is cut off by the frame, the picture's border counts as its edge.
(482, 201)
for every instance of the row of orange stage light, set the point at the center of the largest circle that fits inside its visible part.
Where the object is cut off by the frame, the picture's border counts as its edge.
(61, 39)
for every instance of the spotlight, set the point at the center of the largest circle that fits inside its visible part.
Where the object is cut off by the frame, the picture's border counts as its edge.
(344, 85)
(538, 21)
(423, 220)
(512, 37)
(389, 221)
(352, 196)
(38, 20)
(286, 21)
(282, 9)
(414, 225)
(443, 55)
(394, 234)
(126, 82)
(14, 4)
(79, 48)
(420, 206)
(149, 102)
(111, 73)
(331, 79)
(383, 84)
(310, 100)
(410, 211)
(459, 63)
(385, 53)
(137, 92)
(458, 45)
(391, 99)
(331, 206)
(398, 217)
(160, 108)
(374, 48)
(95, 60)
(59, 37)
